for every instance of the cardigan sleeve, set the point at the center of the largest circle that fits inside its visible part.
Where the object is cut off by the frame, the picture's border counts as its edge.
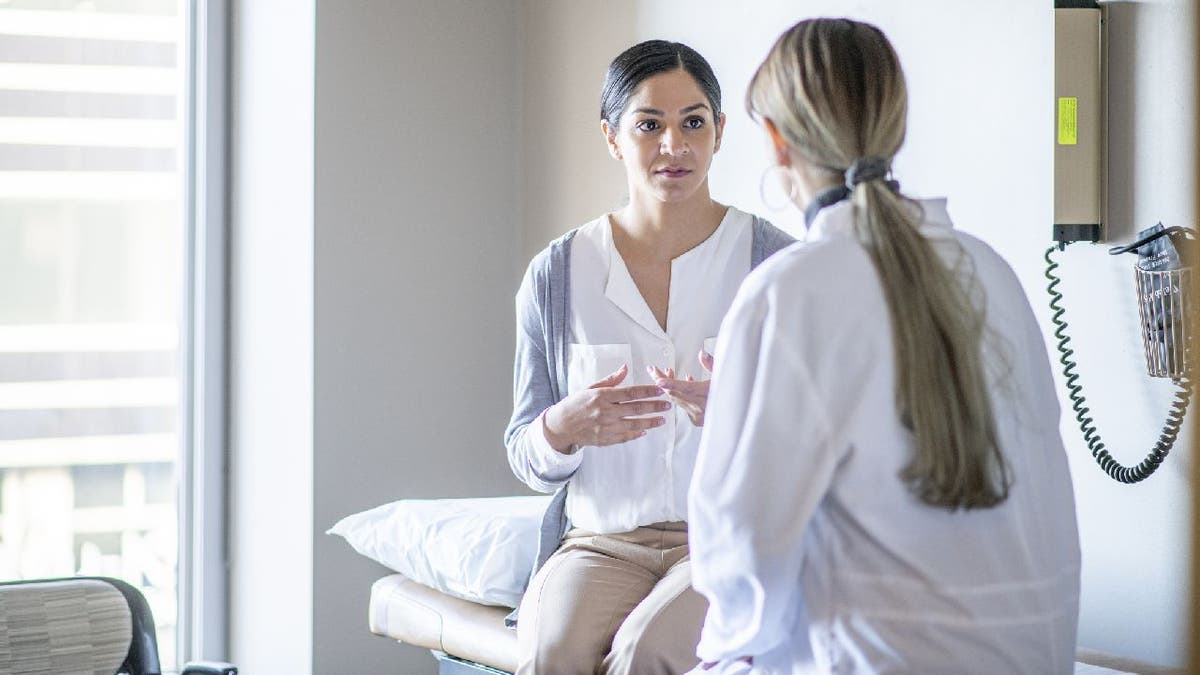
(532, 459)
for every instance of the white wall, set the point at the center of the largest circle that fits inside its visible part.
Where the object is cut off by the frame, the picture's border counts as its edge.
(569, 176)
(374, 244)
(981, 93)
(417, 173)
(271, 346)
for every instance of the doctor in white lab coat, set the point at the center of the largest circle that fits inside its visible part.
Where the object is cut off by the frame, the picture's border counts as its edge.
(881, 485)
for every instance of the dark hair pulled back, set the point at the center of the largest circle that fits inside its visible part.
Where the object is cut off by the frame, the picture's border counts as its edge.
(647, 59)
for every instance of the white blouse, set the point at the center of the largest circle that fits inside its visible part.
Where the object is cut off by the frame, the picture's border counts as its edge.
(618, 488)
(812, 553)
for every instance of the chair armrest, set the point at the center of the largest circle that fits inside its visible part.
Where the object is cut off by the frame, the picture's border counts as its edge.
(209, 668)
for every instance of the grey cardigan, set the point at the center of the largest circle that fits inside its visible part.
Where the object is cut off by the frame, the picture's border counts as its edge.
(539, 376)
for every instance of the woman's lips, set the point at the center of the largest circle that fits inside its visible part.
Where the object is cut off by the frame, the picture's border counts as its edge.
(672, 172)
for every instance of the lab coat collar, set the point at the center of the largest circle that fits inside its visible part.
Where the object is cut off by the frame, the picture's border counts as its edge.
(837, 220)
(832, 221)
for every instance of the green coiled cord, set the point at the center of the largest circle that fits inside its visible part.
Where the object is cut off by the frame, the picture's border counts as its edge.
(1170, 432)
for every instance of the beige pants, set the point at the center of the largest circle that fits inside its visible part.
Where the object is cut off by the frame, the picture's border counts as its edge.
(613, 603)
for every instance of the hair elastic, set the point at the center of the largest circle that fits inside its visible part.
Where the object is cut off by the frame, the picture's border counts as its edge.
(865, 169)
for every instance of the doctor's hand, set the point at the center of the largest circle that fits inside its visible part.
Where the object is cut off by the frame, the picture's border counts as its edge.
(690, 394)
(603, 414)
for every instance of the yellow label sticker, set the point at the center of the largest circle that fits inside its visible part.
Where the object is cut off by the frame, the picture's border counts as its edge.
(1068, 114)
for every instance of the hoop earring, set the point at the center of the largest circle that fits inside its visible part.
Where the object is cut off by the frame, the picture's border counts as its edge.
(788, 183)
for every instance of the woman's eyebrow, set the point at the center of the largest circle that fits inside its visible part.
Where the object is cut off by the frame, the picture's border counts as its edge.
(682, 111)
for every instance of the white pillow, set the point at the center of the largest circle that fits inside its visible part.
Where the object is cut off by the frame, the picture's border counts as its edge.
(480, 550)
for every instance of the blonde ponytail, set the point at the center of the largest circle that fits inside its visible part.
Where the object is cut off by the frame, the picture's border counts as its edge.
(941, 387)
(835, 91)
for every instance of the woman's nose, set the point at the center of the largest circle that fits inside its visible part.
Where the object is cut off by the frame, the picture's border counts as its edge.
(673, 143)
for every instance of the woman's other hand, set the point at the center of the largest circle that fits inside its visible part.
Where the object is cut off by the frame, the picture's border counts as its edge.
(604, 414)
(690, 394)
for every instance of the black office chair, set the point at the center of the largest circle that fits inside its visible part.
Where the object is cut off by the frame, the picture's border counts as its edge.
(82, 624)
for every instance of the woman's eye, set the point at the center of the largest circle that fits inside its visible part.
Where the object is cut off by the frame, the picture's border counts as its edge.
(694, 122)
(647, 125)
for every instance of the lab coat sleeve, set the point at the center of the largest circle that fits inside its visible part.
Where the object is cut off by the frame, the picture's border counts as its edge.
(532, 459)
(766, 459)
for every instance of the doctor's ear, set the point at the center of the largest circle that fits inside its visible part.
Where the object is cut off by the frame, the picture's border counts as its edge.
(610, 137)
(720, 130)
(783, 154)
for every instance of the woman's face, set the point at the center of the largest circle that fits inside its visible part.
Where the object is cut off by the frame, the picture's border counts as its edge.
(667, 136)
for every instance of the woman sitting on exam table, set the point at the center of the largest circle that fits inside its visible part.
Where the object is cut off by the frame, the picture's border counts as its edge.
(881, 485)
(614, 328)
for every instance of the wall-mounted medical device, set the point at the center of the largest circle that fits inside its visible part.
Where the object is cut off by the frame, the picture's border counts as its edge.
(1166, 256)
(1078, 123)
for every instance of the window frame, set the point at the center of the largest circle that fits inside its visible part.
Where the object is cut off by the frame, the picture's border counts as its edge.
(203, 567)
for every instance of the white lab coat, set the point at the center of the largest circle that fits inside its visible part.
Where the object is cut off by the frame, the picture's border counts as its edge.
(812, 553)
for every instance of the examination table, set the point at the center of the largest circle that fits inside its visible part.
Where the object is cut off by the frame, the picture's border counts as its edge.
(465, 637)
(468, 638)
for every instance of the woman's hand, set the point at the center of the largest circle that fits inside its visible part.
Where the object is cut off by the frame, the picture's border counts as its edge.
(603, 414)
(690, 394)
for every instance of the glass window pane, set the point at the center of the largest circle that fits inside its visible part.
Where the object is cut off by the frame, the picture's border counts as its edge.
(90, 284)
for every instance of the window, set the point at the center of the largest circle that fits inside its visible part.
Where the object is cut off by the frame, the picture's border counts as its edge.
(99, 293)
